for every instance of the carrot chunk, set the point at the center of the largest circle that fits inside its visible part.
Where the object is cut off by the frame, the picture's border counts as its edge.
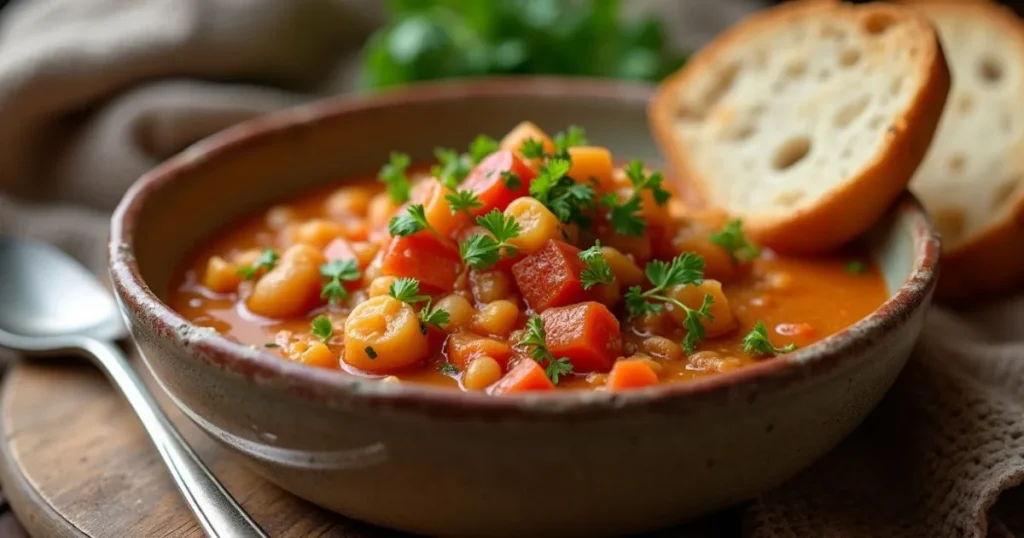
(523, 132)
(499, 179)
(631, 373)
(551, 276)
(525, 376)
(437, 209)
(424, 258)
(592, 164)
(464, 347)
(587, 334)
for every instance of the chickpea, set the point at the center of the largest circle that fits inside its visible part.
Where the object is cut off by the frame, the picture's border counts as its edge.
(460, 311)
(391, 380)
(655, 365)
(365, 252)
(490, 286)
(625, 271)
(383, 334)
(662, 348)
(318, 232)
(538, 224)
(380, 286)
(481, 373)
(221, 276)
(246, 257)
(496, 318)
(348, 202)
(380, 210)
(693, 296)
(292, 287)
(312, 353)
(280, 216)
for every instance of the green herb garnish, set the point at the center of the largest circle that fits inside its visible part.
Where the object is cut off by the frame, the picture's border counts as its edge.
(452, 167)
(370, 352)
(687, 268)
(481, 251)
(267, 260)
(536, 338)
(270, 345)
(573, 136)
(531, 148)
(337, 272)
(393, 175)
(735, 242)
(625, 215)
(756, 343)
(597, 270)
(407, 290)
(481, 147)
(322, 328)
(856, 267)
(565, 198)
(447, 368)
(512, 180)
(413, 220)
(463, 200)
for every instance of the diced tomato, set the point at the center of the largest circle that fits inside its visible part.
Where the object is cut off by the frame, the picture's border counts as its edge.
(525, 376)
(631, 373)
(493, 190)
(423, 257)
(551, 276)
(463, 347)
(587, 333)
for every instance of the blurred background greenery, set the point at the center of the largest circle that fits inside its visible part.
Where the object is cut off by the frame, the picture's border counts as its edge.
(437, 39)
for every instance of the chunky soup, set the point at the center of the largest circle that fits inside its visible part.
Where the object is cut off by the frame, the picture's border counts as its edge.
(527, 264)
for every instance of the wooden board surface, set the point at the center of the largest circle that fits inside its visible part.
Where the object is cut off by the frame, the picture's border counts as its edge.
(74, 461)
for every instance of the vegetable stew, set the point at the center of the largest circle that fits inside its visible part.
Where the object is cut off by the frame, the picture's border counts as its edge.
(526, 264)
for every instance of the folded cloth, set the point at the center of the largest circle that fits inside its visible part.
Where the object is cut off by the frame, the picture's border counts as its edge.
(95, 92)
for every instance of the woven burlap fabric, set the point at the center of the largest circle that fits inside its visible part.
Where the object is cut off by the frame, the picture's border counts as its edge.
(95, 92)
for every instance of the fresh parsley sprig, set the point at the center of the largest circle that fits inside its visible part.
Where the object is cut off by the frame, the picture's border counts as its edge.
(735, 242)
(536, 339)
(407, 290)
(463, 200)
(481, 251)
(568, 200)
(625, 215)
(531, 148)
(481, 147)
(267, 260)
(512, 180)
(337, 272)
(687, 268)
(451, 168)
(756, 343)
(856, 267)
(393, 175)
(573, 136)
(597, 270)
(322, 328)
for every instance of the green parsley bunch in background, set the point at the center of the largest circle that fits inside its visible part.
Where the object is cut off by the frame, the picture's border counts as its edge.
(437, 39)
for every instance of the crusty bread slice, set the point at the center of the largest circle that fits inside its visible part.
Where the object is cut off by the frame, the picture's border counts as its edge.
(807, 120)
(972, 179)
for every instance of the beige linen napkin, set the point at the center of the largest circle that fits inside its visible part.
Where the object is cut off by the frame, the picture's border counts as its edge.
(95, 92)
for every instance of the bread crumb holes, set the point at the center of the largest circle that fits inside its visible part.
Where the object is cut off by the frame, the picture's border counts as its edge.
(849, 58)
(990, 70)
(957, 162)
(851, 111)
(791, 152)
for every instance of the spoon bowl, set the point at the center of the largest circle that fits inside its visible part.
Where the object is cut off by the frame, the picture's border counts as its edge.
(49, 304)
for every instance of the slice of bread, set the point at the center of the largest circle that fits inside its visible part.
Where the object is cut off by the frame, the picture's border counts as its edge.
(806, 120)
(972, 179)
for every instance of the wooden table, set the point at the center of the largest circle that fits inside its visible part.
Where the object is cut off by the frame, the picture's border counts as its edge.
(74, 461)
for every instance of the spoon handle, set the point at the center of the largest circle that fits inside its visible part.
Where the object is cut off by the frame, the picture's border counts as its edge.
(217, 512)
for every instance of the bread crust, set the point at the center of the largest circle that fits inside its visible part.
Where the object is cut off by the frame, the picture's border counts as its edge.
(851, 208)
(991, 261)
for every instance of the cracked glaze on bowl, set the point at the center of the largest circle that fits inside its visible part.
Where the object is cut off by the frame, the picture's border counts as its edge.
(440, 461)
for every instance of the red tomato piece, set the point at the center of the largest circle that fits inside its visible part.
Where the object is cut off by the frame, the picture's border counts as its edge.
(525, 376)
(551, 276)
(586, 333)
(487, 182)
(423, 257)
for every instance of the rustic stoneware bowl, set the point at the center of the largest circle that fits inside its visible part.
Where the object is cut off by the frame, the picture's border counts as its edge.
(444, 462)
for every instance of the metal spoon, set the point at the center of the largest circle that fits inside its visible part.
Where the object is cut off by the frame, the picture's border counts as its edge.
(51, 305)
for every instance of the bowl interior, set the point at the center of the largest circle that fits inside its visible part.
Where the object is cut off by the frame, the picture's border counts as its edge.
(326, 142)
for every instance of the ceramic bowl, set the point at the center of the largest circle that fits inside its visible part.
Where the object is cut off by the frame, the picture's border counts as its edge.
(443, 462)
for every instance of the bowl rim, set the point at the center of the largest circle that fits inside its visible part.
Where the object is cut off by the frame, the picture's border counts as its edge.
(141, 304)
